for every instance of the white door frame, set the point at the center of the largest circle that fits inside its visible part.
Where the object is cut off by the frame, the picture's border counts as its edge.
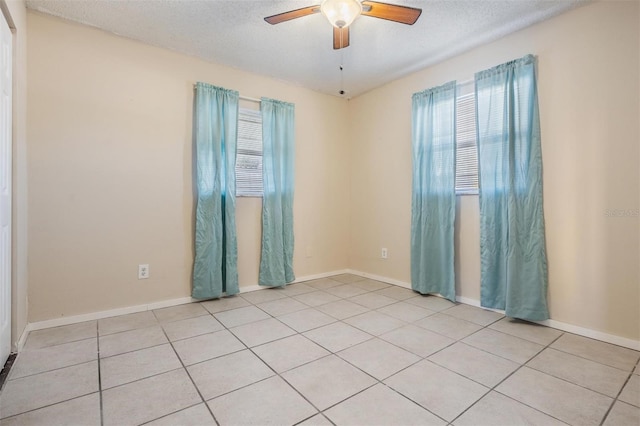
(6, 88)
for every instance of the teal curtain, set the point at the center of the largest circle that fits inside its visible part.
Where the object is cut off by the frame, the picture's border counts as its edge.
(278, 131)
(434, 191)
(512, 240)
(215, 269)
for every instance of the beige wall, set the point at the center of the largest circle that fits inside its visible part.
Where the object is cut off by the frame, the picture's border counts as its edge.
(17, 16)
(589, 103)
(110, 171)
(111, 186)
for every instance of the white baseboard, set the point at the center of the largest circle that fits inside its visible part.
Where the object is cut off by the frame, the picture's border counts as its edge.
(250, 288)
(570, 328)
(593, 334)
(476, 303)
(74, 319)
(39, 325)
(322, 275)
(169, 303)
(247, 289)
(380, 278)
(581, 331)
(23, 339)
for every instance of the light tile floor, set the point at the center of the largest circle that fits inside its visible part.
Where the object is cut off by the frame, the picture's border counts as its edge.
(340, 350)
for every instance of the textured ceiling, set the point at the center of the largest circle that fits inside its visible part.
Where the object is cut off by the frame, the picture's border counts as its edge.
(300, 51)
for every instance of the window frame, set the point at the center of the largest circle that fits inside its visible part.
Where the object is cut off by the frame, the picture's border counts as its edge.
(464, 92)
(253, 116)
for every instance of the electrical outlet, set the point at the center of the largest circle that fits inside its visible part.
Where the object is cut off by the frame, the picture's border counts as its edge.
(309, 252)
(143, 271)
(384, 253)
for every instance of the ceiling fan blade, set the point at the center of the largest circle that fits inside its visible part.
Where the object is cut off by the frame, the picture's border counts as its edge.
(292, 14)
(340, 37)
(391, 12)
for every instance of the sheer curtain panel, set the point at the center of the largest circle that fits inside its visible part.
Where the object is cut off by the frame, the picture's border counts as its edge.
(215, 269)
(278, 131)
(512, 239)
(434, 191)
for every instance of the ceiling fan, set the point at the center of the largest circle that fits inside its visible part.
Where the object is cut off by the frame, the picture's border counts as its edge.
(341, 13)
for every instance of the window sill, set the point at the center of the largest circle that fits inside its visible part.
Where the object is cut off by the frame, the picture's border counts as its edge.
(248, 196)
(468, 192)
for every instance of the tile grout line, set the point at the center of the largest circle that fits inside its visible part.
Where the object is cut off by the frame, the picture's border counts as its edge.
(99, 375)
(274, 371)
(494, 388)
(173, 412)
(60, 368)
(616, 399)
(509, 335)
(53, 369)
(381, 381)
(317, 414)
(188, 375)
(577, 384)
(56, 344)
(369, 309)
(143, 378)
(587, 359)
(629, 373)
(426, 358)
(422, 358)
(414, 402)
(332, 353)
(168, 342)
(276, 374)
(219, 356)
(47, 406)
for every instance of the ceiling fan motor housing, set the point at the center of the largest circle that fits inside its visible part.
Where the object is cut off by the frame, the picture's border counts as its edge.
(341, 13)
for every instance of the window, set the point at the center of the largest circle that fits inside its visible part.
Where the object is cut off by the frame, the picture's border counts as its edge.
(249, 154)
(466, 149)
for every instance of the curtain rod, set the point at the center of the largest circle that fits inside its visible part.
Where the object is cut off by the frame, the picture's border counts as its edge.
(244, 98)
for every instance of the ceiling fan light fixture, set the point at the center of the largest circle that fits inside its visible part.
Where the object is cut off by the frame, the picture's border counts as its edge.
(341, 13)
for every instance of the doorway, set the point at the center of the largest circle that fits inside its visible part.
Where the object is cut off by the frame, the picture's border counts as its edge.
(6, 55)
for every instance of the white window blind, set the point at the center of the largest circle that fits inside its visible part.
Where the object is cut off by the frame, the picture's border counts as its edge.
(466, 149)
(249, 154)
